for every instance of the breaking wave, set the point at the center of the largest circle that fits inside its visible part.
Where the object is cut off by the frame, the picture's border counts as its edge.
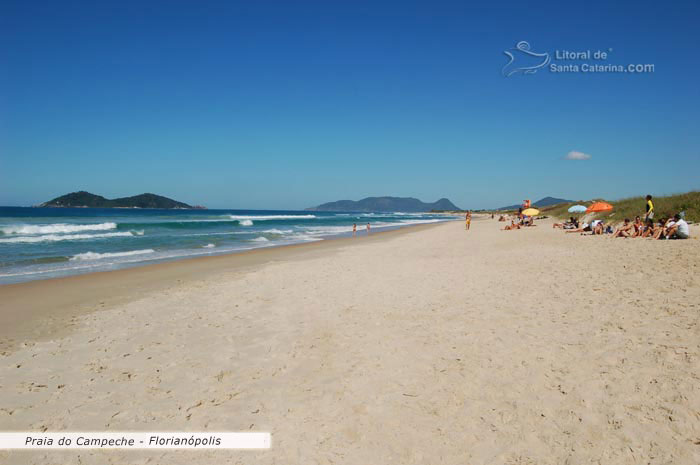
(67, 237)
(98, 256)
(57, 228)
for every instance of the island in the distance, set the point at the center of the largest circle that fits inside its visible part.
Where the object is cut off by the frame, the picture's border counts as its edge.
(84, 199)
(386, 204)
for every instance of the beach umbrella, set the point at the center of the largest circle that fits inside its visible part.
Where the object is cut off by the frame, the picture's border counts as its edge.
(531, 212)
(577, 209)
(599, 207)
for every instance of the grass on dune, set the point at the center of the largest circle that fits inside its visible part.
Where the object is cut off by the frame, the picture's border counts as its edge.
(664, 207)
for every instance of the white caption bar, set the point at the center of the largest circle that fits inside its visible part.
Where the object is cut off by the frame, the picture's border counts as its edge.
(170, 440)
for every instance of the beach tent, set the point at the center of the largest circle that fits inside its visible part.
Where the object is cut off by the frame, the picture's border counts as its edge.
(577, 209)
(599, 207)
(531, 212)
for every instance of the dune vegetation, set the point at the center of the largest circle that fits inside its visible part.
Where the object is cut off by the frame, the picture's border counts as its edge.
(664, 207)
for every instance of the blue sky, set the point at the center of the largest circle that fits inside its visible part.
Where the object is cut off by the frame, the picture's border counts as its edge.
(285, 105)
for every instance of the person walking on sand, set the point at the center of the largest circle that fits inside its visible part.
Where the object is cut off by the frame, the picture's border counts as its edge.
(468, 219)
(354, 229)
(650, 209)
(368, 229)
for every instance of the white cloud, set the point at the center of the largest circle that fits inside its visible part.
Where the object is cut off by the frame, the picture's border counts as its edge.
(574, 155)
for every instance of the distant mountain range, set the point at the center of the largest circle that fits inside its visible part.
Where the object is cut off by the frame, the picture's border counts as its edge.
(385, 204)
(84, 199)
(545, 202)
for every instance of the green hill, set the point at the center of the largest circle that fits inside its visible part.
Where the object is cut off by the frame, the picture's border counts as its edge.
(84, 199)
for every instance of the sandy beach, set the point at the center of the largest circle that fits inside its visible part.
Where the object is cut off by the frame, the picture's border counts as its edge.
(426, 345)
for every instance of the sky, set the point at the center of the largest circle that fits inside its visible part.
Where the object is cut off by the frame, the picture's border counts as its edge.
(286, 105)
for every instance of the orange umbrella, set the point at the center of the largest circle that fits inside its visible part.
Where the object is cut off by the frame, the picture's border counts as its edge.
(599, 207)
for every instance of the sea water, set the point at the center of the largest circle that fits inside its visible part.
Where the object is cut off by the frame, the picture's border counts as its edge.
(41, 243)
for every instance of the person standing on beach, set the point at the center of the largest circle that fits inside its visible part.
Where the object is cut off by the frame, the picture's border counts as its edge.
(368, 229)
(650, 209)
(468, 219)
(354, 229)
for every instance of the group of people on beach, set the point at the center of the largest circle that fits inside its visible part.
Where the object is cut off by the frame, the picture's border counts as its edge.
(668, 227)
(520, 221)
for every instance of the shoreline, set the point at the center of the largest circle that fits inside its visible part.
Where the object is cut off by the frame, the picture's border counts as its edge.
(42, 309)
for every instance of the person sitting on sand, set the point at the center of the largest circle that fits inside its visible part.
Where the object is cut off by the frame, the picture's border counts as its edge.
(625, 230)
(513, 225)
(597, 227)
(679, 230)
(648, 228)
(637, 227)
(661, 228)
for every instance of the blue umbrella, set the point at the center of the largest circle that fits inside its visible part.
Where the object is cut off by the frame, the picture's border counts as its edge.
(577, 209)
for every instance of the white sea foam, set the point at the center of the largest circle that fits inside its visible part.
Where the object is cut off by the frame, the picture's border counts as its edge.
(99, 256)
(277, 231)
(65, 237)
(86, 264)
(57, 228)
(306, 238)
(209, 246)
(245, 222)
(327, 230)
(227, 233)
(271, 217)
(260, 239)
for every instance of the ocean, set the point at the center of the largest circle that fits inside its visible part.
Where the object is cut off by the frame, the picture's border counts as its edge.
(41, 243)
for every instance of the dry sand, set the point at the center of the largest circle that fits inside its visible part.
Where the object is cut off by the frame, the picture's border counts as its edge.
(432, 346)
